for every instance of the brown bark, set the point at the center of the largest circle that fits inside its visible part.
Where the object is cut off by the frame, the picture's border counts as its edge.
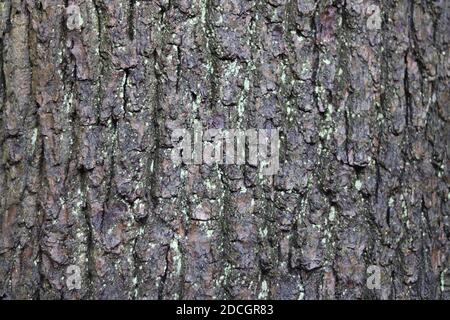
(88, 105)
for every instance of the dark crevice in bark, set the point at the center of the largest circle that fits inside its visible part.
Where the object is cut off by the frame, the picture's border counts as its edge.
(124, 89)
(408, 101)
(408, 132)
(344, 56)
(6, 27)
(212, 56)
(155, 158)
(135, 272)
(164, 10)
(131, 15)
(38, 145)
(177, 85)
(162, 282)
(3, 99)
(415, 51)
(212, 52)
(99, 20)
(40, 220)
(316, 61)
(90, 263)
(112, 162)
(156, 127)
(99, 26)
(383, 103)
(347, 134)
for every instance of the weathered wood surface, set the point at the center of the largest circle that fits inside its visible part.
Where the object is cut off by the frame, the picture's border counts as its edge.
(358, 88)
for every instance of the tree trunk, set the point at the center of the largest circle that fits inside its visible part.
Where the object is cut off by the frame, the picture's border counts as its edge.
(91, 90)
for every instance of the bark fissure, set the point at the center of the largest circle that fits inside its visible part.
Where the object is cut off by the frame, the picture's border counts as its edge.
(91, 91)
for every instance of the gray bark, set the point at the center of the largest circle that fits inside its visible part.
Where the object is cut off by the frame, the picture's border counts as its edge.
(87, 106)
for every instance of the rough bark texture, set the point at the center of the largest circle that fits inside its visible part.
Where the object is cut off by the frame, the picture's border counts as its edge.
(87, 106)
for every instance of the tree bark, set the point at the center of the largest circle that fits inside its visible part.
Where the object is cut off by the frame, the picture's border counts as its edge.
(359, 90)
